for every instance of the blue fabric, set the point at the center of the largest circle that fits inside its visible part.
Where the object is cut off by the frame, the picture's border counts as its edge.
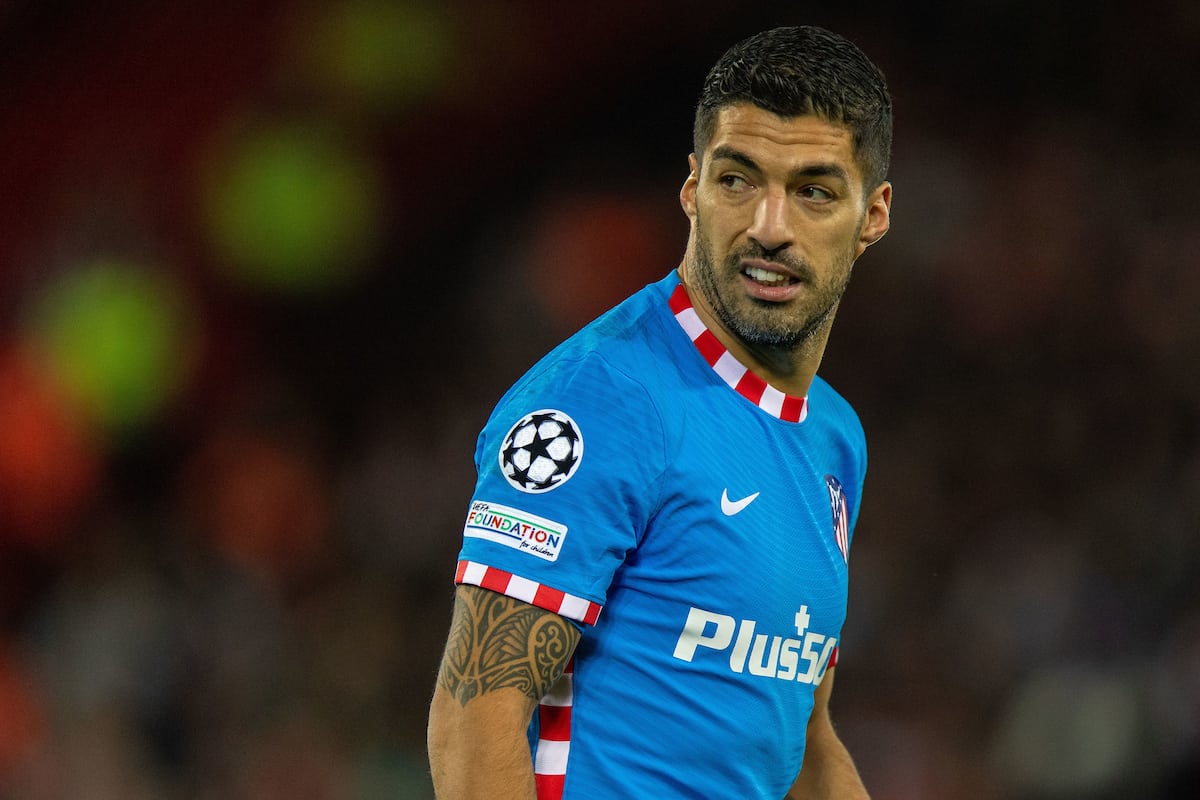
(697, 679)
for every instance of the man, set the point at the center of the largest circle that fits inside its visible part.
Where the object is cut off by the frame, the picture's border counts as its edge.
(653, 578)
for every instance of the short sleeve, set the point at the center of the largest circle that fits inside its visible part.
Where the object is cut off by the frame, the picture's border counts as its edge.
(568, 469)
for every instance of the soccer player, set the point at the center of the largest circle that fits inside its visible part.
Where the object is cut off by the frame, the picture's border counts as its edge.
(653, 577)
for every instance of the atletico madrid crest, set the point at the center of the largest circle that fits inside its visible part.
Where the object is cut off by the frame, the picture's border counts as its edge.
(841, 516)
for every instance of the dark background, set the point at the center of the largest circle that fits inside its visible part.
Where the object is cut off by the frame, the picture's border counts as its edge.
(265, 268)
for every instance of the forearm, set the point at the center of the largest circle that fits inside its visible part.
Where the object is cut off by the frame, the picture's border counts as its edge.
(471, 756)
(828, 772)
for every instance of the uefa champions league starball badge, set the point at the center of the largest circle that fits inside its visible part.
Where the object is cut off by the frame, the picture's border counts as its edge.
(542, 451)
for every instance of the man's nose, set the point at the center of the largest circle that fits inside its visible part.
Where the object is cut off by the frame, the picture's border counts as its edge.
(771, 227)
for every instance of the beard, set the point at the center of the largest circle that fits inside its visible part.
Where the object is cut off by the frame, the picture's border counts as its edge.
(760, 323)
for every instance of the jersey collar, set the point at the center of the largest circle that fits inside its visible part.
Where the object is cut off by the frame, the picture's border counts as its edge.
(739, 377)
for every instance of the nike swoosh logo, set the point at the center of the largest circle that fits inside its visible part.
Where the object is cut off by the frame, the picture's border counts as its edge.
(731, 507)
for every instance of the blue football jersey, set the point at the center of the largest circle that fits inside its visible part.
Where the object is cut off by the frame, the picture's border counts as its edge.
(695, 522)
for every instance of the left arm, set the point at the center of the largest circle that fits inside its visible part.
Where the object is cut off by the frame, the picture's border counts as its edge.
(828, 772)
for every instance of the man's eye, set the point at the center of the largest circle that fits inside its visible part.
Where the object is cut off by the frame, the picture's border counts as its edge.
(816, 193)
(733, 182)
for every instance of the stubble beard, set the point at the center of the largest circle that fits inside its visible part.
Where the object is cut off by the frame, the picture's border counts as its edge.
(760, 324)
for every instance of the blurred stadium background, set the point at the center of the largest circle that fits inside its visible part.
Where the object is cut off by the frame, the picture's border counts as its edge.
(265, 267)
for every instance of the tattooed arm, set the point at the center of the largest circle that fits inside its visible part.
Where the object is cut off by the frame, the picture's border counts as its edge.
(501, 658)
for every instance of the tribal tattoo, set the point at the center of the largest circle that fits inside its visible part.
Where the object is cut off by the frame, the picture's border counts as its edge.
(497, 642)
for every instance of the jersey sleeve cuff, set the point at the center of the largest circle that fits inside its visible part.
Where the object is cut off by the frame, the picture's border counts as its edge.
(566, 605)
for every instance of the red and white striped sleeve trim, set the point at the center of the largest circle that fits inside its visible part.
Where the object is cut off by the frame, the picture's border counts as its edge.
(538, 594)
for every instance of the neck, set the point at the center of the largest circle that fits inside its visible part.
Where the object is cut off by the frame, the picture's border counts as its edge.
(789, 369)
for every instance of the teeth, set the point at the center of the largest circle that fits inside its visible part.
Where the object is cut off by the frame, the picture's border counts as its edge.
(764, 276)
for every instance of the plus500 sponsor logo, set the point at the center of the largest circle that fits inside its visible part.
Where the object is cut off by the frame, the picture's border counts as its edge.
(802, 658)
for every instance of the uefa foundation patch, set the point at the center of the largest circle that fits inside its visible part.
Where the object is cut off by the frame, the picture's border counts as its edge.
(516, 529)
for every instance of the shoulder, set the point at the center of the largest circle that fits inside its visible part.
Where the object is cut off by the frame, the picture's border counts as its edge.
(839, 426)
(612, 378)
(835, 411)
(618, 356)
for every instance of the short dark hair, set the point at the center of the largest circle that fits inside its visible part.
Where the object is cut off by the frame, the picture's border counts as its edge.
(797, 71)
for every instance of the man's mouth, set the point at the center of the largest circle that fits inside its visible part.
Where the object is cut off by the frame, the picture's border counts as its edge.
(768, 278)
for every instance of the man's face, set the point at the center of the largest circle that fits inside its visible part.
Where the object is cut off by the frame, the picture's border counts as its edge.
(779, 216)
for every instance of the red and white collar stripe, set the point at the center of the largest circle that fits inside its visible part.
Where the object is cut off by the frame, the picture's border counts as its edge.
(739, 377)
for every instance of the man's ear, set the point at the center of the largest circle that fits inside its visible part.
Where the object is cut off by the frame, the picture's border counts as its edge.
(687, 195)
(878, 218)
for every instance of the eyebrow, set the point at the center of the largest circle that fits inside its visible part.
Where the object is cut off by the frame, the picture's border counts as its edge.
(819, 170)
(724, 151)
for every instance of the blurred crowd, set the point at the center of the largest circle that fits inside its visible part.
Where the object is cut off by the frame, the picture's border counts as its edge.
(265, 268)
